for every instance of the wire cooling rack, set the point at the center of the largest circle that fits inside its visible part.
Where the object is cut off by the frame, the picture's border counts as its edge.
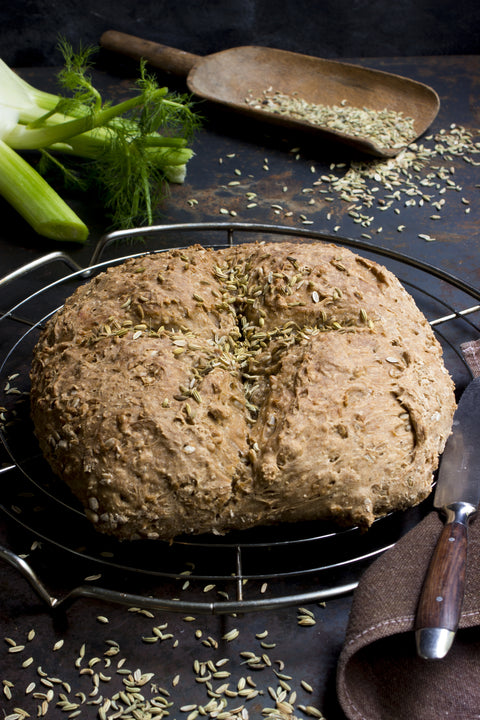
(245, 571)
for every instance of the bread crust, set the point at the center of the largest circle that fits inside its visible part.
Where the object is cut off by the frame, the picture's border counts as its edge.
(201, 390)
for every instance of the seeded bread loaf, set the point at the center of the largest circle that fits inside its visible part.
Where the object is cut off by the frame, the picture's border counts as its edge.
(201, 390)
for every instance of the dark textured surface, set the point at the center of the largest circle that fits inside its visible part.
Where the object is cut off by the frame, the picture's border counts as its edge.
(268, 167)
(326, 28)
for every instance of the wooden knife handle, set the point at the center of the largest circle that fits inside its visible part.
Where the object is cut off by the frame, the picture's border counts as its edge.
(442, 593)
(441, 598)
(177, 62)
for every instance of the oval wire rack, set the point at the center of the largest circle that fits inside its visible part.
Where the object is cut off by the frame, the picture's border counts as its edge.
(249, 570)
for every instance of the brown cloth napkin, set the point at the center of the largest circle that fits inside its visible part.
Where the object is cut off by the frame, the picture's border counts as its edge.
(379, 674)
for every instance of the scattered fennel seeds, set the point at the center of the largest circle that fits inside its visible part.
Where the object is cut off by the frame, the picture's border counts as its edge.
(244, 686)
(426, 173)
(421, 174)
(305, 617)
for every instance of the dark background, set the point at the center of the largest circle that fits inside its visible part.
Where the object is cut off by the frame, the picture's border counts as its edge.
(29, 29)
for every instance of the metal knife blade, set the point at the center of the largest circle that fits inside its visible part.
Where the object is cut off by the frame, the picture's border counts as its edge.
(457, 496)
(459, 476)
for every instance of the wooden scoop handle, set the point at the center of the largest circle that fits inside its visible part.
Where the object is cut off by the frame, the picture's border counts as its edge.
(160, 56)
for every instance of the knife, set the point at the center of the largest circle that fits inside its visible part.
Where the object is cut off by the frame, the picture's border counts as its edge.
(457, 496)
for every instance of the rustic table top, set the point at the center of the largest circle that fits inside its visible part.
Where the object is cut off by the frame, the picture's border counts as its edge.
(73, 661)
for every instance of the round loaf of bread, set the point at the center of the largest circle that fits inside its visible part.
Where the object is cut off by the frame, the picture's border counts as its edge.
(201, 390)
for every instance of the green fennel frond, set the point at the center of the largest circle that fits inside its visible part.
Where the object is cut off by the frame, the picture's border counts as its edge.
(70, 176)
(174, 114)
(75, 78)
(141, 147)
(131, 177)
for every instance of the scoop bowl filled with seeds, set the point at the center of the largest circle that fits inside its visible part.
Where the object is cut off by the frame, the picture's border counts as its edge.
(375, 112)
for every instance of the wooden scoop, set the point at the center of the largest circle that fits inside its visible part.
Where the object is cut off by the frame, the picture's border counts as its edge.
(230, 76)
